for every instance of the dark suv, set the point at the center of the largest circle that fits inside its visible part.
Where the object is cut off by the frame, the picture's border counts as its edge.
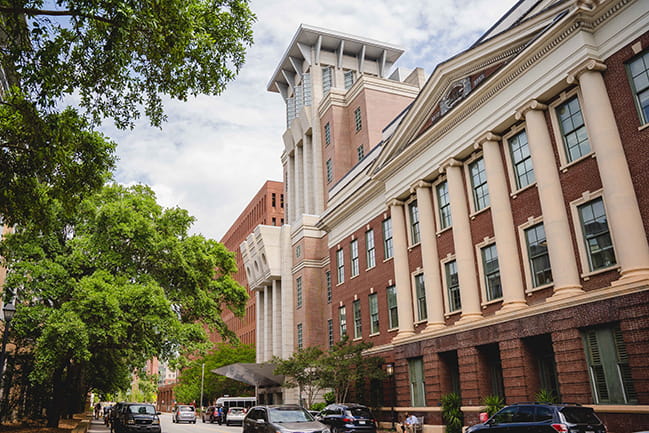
(348, 418)
(541, 418)
(136, 417)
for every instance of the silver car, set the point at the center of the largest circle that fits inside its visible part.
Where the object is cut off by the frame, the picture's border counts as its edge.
(184, 413)
(281, 419)
(235, 415)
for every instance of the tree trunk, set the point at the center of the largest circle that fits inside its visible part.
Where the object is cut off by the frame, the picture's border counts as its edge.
(55, 406)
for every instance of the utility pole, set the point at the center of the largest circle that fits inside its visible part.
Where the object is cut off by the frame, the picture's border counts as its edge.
(202, 382)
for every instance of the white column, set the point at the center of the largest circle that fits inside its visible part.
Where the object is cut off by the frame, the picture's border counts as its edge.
(286, 287)
(622, 210)
(401, 270)
(277, 318)
(503, 223)
(555, 217)
(290, 189)
(259, 325)
(268, 321)
(308, 175)
(317, 170)
(299, 180)
(464, 256)
(430, 257)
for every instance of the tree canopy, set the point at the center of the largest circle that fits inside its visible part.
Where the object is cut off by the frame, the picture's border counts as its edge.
(115, 284)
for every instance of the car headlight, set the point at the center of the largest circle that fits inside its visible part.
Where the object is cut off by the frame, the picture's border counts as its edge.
(156, 421)
(130, 421)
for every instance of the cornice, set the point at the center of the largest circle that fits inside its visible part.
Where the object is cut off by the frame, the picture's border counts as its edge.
(342, 209)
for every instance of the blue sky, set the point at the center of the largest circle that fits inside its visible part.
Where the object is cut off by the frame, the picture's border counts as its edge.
(216, 152)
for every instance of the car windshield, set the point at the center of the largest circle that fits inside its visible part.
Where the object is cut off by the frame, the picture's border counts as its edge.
(360, 412)
(236, 410)
(580, 415)
(144, 409)
(185, 409)
(280, 415)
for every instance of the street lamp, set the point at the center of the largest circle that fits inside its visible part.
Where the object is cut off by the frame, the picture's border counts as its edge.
(8, 310)
(389, 370)
(202, 381)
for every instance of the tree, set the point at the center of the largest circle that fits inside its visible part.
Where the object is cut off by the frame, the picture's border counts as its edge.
(344, 366)
(115, 284)
(214, 385)
(117, 59)
(303, 370)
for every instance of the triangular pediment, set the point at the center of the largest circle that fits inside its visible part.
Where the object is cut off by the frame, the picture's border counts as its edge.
(456, 79)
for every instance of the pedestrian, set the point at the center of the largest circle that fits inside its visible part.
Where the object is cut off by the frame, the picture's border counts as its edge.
(403, 423)
(220, 416)
(410, 423)
(97, 410)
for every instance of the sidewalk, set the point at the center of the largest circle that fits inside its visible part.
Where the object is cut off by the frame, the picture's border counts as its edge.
(97, 426)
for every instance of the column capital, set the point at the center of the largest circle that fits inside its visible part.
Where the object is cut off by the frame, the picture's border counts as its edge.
(529, 106)
(487, 136)
(394, 202)
(451, 162)
(585, 66)
(419, 184)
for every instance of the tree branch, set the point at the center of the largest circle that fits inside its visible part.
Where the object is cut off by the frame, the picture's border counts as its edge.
(36, 12)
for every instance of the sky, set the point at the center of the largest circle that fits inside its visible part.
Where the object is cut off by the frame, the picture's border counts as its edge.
(215, 152)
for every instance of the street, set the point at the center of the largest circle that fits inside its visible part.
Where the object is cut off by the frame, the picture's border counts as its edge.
(199, 427)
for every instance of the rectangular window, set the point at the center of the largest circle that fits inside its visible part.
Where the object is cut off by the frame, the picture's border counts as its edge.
(608, 363)
(521, 159)
(298, 289)
(370, 249)
(573, 129)
(479, 184)
(420, 289)
(393, 317)
(358, 331)
(342, 320)
(299, 100)
(326, 80)
(306, 80)
(599, 246)
(537, 253)
(330, 332)
(330, 171)
(413, 212)
(357, 119)
(349, 79)
(374, 313)
(328, 278)
(273, 199)
(299, 336)
(360, 152)
(353, 247)
(327, 134)
(452, 286)
(387, 238)
(416, 379)
(491, 272)
(638, 70)
(290, 110)
(340, 263)
(444, 205)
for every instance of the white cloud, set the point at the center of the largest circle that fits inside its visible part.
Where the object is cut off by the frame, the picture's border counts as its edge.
(215, 153)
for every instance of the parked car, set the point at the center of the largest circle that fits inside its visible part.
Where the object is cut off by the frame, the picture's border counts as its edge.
(183, 413)
(542, 417)
(211, 414)
(135, 417)
(348, 418)
(235, 415)
(281, 418)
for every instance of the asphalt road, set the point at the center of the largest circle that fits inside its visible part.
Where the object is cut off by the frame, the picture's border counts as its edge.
(199, 427)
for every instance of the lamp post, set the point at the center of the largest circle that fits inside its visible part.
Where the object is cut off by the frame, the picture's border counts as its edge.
(389, 370)
(202, 381)
(8, 310)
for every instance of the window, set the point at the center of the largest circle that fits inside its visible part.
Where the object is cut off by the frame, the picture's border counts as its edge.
(273, 199)
(298, 289)
(444, 205)
(357, 119)
(521, 160)
(638, 70)
(370, 249)
(328, 278)
(281, 200)
(342, 320)
(306, 84)
(452, 286)
(330, 332)
(387, 238)
(491, 272)
(330, 171)
(416, 379)
(353, 247)
(479, 184)
(349, 79)
(298, 251)
(573, 130)
(420, 289)
(393, 317)
(537, 253)
(358, 331)
(327, 134)
(608, 363)
(326, 80)
(340, 257)
(599, 246)
(413, 211)
(299, 336)
(374, 313)
(360, 151)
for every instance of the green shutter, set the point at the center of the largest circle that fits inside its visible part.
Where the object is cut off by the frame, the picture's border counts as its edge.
(596, 367)
(623, 367)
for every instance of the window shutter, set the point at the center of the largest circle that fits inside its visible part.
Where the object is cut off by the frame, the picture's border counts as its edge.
(596, 367)
(623, 367)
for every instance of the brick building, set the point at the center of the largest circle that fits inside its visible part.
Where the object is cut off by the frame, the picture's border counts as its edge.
(486, 230)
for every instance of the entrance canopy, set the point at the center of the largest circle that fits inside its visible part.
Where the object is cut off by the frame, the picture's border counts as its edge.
(252, 374)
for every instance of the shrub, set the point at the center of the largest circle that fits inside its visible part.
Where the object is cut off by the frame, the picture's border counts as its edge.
(493, 403)
(329, 397)
(452, 413)
(546, 396)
